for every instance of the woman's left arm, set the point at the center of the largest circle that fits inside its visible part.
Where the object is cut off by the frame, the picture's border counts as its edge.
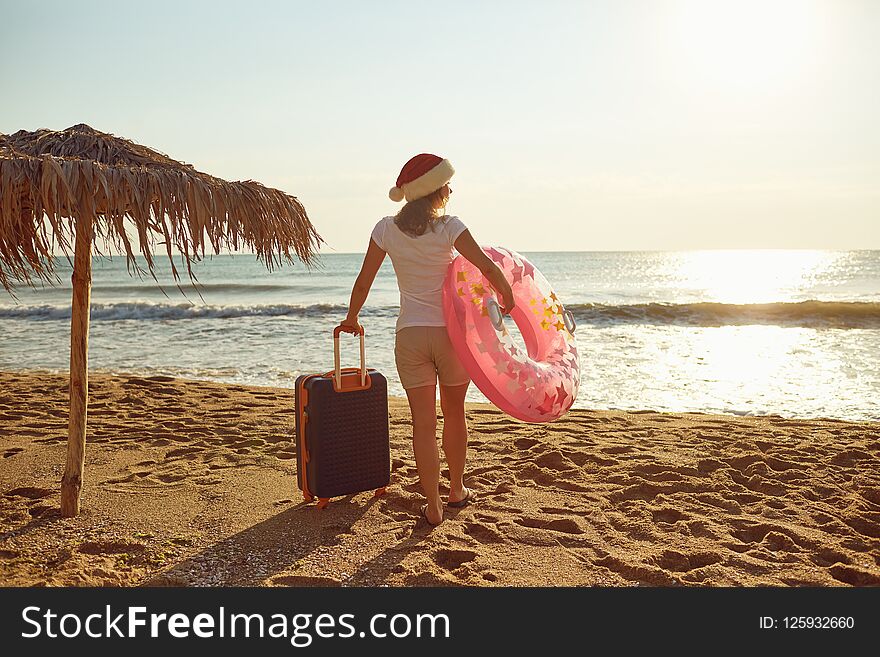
(372, 261)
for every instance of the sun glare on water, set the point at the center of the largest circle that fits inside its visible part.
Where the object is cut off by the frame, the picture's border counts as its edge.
(758, 276)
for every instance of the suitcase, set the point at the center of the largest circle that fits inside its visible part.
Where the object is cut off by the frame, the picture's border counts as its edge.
(342, 444)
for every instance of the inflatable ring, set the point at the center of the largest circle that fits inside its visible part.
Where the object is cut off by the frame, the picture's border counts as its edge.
(539, 385)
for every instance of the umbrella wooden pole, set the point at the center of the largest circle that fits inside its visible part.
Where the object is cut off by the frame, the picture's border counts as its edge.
(71, 483)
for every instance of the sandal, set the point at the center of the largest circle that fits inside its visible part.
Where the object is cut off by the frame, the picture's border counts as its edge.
(464, 501)
(424, 511)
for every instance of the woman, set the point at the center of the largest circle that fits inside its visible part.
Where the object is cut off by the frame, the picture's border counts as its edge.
(420, 241)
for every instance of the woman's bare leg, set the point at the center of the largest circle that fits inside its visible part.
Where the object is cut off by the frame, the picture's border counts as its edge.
(455, 437)
(423, 406)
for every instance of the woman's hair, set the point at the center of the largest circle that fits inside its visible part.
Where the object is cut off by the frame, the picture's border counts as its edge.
(417, 216)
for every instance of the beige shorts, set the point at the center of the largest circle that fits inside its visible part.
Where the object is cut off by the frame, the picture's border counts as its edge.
(424, 354)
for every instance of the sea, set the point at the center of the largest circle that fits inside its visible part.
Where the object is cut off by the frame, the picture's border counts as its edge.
(793, 333)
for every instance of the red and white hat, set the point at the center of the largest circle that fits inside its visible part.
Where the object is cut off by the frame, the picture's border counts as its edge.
(422, 175)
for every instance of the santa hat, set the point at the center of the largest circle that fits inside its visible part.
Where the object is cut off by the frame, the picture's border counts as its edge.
(422, 175)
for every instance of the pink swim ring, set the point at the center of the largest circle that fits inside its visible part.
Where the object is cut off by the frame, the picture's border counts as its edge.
(539, 385)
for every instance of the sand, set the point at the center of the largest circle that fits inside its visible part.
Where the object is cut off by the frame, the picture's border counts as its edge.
(193, 483)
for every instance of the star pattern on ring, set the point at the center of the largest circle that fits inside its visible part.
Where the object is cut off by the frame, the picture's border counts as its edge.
(543, 388)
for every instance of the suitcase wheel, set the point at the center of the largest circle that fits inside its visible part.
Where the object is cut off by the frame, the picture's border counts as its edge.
(323, 502)
(379, 492)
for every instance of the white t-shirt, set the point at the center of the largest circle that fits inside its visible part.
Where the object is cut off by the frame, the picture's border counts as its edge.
(420, 264)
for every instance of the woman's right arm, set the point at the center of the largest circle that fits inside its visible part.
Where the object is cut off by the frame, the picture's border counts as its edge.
(468, 247)
(372, 261)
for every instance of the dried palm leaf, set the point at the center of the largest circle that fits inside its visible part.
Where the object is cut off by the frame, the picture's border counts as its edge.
(50, 178)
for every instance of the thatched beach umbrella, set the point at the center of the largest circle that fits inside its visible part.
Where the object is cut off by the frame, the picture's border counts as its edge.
(78, 189)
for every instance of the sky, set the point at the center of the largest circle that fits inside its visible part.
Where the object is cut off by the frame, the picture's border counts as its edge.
(615, 125)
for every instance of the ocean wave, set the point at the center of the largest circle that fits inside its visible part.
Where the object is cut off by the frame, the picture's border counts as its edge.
(151, 287)
(808, 314)
(162, 311)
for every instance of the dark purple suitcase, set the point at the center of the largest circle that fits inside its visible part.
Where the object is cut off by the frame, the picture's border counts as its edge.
(342, 444)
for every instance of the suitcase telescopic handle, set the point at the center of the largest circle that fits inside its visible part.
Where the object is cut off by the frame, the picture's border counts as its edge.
(337, 372)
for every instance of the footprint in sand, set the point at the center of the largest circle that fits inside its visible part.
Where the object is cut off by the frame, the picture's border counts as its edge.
(181, 451)
(742, 462)
(850, 457)
(680, 562)
(853, 576)
(451, 559)
(30, 433)
(564, 525)
(758, 484)
(779, 542)
(555, 460)
(620, 449)
(707, 466)
(555, 511)
(642, 491)
(531, 475)
(174, 392)
(655, 472)
(867, 524)
(700, 529)
(870, 493)
(652, 576)
(667, 515)
(170, 478)
(226, 416)
(482, 533)
(253, 442)
(207, 481)
(754, 533)
(130, 478)
(828, 557)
